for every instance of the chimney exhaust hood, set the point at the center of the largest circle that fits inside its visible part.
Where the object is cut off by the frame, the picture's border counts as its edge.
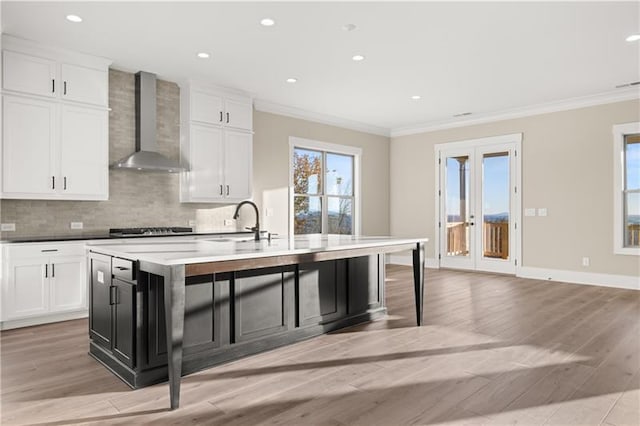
(147, 157)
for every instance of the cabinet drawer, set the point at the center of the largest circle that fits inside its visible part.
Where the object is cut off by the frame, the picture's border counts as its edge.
(123, 269)
(36, 249)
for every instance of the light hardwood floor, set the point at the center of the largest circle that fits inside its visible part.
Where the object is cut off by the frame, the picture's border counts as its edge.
(494, 350)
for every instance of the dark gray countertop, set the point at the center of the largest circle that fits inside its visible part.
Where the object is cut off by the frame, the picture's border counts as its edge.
(104, 236)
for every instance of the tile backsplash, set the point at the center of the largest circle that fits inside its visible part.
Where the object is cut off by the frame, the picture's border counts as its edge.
(135, 198)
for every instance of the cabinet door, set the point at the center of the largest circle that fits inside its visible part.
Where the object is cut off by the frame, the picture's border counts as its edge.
(238, 160)
(67, 284)
(238, 114)
(28, 74)
(84, 153)
(27, 288)
(82, 84)
(205, 168)
(322, 292)
(124, 321)
(206, 108)
(100, 300)
(263, 303)
(27, 148)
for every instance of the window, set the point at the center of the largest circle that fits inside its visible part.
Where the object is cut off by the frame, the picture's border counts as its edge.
(324, 185)
(627, 188)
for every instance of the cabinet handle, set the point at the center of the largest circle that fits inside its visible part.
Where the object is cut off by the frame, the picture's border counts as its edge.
(65, 183)
(53, 85)
(227, 117)
(220, 189)
(227, 189)
(46, 270)
(221, 116)
(48, 250)
(64, 90)
(113, 295)
(53, 182)
(53, 270)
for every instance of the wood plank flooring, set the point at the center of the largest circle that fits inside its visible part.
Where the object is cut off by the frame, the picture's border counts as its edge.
(494, 350)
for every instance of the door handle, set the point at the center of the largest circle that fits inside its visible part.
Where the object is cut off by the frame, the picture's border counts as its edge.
(227, 117)
(221, 116)
(53, 182)
(221, 189)
(53, 85)
(64, 90)
(46, 270)
(64, 185)
(227, 189)
(53, 270)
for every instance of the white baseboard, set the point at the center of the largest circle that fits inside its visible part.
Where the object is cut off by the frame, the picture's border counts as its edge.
(576, 277)
(27, 322)
(407, 260)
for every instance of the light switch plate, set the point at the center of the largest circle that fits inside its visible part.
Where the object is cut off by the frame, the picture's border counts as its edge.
(77, 225)
(8, 227)
(268, 212)
(529, 212)
(542, 212)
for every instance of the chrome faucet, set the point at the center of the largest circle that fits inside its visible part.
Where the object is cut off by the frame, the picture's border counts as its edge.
(256, 228)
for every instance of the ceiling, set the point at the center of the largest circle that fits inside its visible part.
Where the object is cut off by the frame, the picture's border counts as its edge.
(459, 57)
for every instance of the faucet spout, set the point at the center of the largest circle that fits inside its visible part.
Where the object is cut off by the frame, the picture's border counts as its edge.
(255, 229)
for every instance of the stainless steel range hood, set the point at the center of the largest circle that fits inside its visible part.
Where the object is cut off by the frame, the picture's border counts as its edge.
(147, 157)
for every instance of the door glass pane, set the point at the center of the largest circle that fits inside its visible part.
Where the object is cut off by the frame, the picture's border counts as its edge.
(495, 205)
(340, 215)
(307, 217)
(457, 205)
(307, 171)
(632, 219)
(339, 174)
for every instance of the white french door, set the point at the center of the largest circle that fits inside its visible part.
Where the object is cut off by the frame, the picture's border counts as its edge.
(479, 204)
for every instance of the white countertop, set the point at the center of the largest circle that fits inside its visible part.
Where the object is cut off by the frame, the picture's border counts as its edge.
(221, 249)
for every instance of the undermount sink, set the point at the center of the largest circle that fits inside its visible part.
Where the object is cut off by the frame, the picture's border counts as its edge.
(231, 240)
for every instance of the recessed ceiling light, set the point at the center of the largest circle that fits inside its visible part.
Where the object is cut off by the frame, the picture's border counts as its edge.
(203, 55)
(292, 80)
(74, 18)
(267, 22)
(357, 58)
(349, 27)
(415, 97)
(633, 37)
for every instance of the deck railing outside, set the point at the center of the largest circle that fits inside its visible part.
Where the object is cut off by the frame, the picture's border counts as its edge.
(495, 241)
(633, 235)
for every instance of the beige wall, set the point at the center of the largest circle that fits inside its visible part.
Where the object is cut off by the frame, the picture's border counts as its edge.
(271, 168)
(567, 168)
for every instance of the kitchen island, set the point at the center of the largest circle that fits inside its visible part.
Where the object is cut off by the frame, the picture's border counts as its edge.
(168, 309)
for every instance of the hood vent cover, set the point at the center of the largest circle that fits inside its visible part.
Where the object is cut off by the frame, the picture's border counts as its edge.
(147, 157)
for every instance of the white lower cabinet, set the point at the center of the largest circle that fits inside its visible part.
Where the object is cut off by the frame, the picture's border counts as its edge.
(42, 281)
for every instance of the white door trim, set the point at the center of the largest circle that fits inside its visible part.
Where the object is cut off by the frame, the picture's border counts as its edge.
(516, 204)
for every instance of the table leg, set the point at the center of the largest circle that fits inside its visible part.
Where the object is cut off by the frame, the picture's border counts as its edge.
(418, 279)
(174, 314)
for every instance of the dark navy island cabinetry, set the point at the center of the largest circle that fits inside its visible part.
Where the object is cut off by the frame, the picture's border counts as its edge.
(227, 315)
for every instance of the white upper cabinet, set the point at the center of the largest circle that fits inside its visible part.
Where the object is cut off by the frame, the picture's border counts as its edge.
(28, 74)
(28, 137)
(216, 145)
(238, 114)
(55, 139)
(82, 84)
(84, 151)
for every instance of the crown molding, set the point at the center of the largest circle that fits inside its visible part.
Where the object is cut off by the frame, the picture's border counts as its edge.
(266, 106)
(618, 95)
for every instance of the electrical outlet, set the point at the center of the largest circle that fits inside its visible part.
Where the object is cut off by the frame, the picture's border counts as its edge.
(529, 212)
(77, 225)
(192, 223)
(228, 222)
(268, 212)
(542, 212)
(586, 261)
(8, 227)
